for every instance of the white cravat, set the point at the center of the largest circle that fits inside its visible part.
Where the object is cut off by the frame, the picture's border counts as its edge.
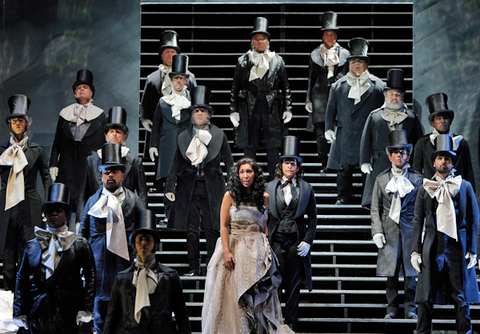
(456, 140)
(330, 58)
(78, 113)
(393, 117)
(109, 206)
(359, 85)
(145, 280)
(261, 63)
(399, 186)
(287, 190)
(167, 82)
(197, 150)
(177, 101)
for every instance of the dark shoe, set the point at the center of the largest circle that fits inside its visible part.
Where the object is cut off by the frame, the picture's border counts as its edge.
(391, 315)
(191, 273)
(411, 315)
(341, 202)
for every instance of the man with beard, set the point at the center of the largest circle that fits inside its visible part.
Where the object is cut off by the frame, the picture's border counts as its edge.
(393, 115)
(107, 221)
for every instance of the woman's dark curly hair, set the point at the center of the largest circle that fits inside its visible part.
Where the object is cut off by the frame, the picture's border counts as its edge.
(238, 191)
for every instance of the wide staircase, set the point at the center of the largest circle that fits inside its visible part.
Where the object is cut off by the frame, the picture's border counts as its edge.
(347, 296)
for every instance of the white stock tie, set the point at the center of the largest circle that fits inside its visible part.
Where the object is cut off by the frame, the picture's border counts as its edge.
(167, 82)
(399, 186)
(15, 157)
(197, 150)
(358, 86)
(261, 63)
(146, 281)
(177, 101)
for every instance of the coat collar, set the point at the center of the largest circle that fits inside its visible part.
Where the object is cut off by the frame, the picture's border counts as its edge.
(303, 198)
(213, 147)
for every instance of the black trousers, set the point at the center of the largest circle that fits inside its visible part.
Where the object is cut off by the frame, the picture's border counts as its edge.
(322, 146)
(100, 308)
(15, 245)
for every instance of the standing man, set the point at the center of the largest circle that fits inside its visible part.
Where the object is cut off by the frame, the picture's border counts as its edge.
(260, 101)
(195, 183)
(20, 204)
(108, 219)
(444, 241)
(290, 234)
(327, 65)
(393, 115)
(393, 203)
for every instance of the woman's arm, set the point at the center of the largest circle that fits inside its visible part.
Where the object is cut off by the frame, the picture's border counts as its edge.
(224, 221)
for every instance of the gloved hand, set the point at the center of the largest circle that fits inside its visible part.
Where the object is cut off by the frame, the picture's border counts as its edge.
(472, 260)
(54, 173)
(147, 124)
(170, 197)
(153, 152)
(308, 107)
(287, 117)
(366, 168)
(379, 239)
(303, 248)
(416, 260)
(84, 316)
(235, 119)
(330, 136)
(21, 321)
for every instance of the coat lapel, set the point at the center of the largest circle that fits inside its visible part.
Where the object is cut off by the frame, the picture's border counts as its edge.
(271, 190)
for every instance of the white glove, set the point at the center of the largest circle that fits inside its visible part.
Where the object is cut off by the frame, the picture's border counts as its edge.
(54, 173)
(21, 321)
(153, 152)
(366, 168)
(287, 117)
(472, 260)
(303, 248)
(170, 197)
(330, 136)
(147, 124)
(379, 239)
(416, 260)
(235, 119)
(84, 316)
(308, 107)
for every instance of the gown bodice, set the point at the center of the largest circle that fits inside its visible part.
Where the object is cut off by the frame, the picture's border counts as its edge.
(249, 213)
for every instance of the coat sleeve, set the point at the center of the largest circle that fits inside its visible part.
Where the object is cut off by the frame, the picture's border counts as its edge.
(42, 164)
(366, 142)
(22, 301)
(236, 86)
(467, 164)
(173, 172)
(418, 157)
(84, 228)
(192, 82)
(179, 307)
(287, 103)
(226, 154)
(55, 152)
(331, 111)
(418, 220)
(88, 269)
(146, 101)
(472, 219)
(157, 126)
(141, 181)
(312, 78)
(312, 218)
(376, 209)
(114, 313)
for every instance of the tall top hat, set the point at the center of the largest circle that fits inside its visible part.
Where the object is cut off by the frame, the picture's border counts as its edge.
(437, 104)
(147, 222)
(18, 105)
(395, 79)
(443, 144)
(290, 149)
(260, 26)
(59, 195)
(329, 22)
(179, 66)
(168, 40)
(200, 96)
(117, 118)
(358, 48)
(111, 157)
(397, 139)
(84, 77)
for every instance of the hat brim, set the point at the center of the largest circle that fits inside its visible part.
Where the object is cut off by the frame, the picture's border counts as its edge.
(266, 33)
(27, 117)
(172, 74)
(154, 234)
(163, 47)
(402, 89)
(201, 105)
(366, 58)
(408, 147)
(431, 117)
(116, 125)
(118, 166)
(63, 205)
(89, 84)
(299, 160)
(452, 153)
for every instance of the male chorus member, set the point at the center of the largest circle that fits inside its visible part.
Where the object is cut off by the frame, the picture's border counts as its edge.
(290, 233)
(260, 101)
(195, 182)
(108, 219)
(444, 241)
(351, 100)
(393, 115)
(393, 203)
(20, 204)
(56, 282)
(327, 65)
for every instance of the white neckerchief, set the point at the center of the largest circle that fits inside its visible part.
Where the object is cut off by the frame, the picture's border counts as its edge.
(109, 206)
(52, 241)
(399, 186)
(444, 191)
(167, 82)
(124, 152)
(197, 150)
(359, 85)
(177, 102)
(261, 63)
(456, 140)
(330, 58)
(145, 280)
(78, 113)
(392, 116)
(287, 191)
(15, 157)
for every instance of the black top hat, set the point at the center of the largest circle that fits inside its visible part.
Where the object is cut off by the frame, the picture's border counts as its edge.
(111, 157)
(329, 22)
(59, 195)
(18, 105)
(397, 139)
(117, 118)
(395, 79)
(358, 48)
(200, 97)
(179, 66)
(260, 26)
(147, 222)
(437, 104)
(168, 40)
(443, 144)
(84, 77)
(290, 149)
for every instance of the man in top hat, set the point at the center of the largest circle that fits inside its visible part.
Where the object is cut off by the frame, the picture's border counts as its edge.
(290, 234)
(260, 101)
(392, 115)
(441, 118)
(147, 297)
(195, 183)
(56, 282)
(444, 241)
(327, 65)
(20, 204)
(79, 132)
(351, 100)
(393, 203)
(107, 221)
